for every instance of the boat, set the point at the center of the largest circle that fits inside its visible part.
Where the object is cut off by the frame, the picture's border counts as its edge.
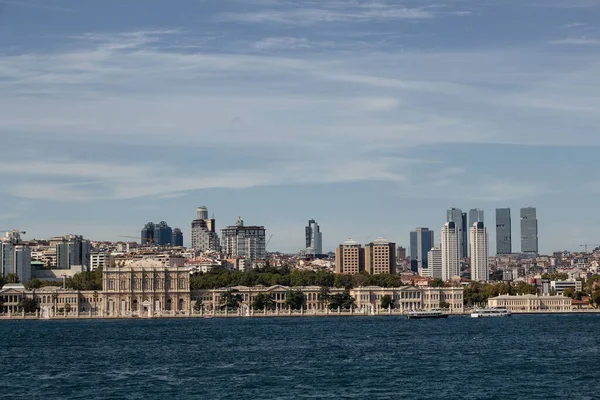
(490, 312)
(208, 316)
(427, 314)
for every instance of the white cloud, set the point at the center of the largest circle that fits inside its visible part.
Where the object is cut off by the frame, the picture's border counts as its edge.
(275, 43)
(578, 41)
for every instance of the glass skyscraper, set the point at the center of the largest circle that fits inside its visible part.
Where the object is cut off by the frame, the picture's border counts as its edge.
(421, 241)
(460, 219)
(314, 238)
(529, 231)
(503, 231)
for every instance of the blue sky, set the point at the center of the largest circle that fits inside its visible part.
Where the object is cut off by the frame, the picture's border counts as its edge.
(373, 117)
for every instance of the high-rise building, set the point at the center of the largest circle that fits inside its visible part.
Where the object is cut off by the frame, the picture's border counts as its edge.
(349, 258)
(244, 241)
(421, 241)
(380, 257)
(177, 238)
(314, 238)
(400, 253)
(72, 250)
(503, 231)
(163, 234)
(450, 247)
(100, 259)
(147, 237)
(15, 257)
(204, 235)
(435, 263)
(475, 215)
(529, 231)
(460, 220)
(479, 252)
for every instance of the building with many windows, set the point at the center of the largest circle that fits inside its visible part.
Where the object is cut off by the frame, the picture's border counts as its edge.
(531, 303)
(204, 235)
(529, 231)
(72, 250)
(380, 257)
(244, 241)
(421, 241)
(15, 257)
(314, 238)
(450, 247)
(503, 231)
(479, 252)
(460, 220)
(435, 264)
(349, 258)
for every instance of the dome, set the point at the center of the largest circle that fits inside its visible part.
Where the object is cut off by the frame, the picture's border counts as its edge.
(351, 242)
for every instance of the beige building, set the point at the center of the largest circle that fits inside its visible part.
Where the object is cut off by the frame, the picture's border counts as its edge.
(531, 302)
(349, 258)
(53, 301)
(380, 257)
(145, 287)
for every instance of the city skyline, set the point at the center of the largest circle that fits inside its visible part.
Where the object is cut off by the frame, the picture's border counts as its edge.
(320, 109)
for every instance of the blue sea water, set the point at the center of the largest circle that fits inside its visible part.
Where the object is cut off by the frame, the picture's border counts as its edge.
(521, 357)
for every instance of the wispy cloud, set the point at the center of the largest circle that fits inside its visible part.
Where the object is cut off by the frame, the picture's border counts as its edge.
(579, 41)
(284, 42)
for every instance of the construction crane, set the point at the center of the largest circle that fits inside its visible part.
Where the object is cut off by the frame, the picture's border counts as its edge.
(268, 241)
(12, 230)
(149, 241)
(585, 246)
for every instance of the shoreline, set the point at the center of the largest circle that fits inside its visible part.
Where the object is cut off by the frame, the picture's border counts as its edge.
(262, 315)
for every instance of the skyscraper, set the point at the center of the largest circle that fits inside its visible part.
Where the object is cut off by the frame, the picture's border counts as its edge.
(380, 257)
(503, 231)
(479, 252)
(163, 234)
(475, 215)
(72, 250)
(314, 238)
(421, 241)
(244, 241)
(450, 250)
(529, 231)
(460, 220)
(435, 263)
(349, 258)
(177, 238)
(204, 235)
(15, 257)
(148, 234)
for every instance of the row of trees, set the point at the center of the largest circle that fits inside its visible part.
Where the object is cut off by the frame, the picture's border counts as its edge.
(478, 293)
(268, 276)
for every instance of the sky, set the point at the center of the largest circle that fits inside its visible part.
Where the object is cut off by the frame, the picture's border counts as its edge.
(372, 117)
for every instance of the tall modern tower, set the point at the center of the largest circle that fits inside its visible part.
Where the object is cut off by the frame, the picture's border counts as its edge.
(529, 231)
(421, 241)
(503, 231)
(15, 257)
(314, 238)
(475, 215)
(460, 220)
(450, 250)
(177, 238)
(479, 252)
(435, 263)
(204, 235)
(244, 241)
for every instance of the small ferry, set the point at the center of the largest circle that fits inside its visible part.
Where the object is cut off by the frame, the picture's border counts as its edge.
(427, 314)
(490, 312)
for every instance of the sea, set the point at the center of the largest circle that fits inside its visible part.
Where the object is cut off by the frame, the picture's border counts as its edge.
(521, 357)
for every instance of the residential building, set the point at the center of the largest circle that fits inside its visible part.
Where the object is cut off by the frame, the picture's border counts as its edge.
(100, 259)
(400, 253)
(435, 264)
(531, 303)
(380, 257)
(244, 241)
(460, 220)
(177, 238)
(349, 258)
(72, 250)
(450, 248)
(204, 235)
(503, 231)
(529, 231)
(475, 215)
(479, 252)
(421, 241)
(560, 286)
(314, 238)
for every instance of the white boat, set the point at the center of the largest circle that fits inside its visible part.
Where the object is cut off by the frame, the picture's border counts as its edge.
(490, 312)
(427, 314)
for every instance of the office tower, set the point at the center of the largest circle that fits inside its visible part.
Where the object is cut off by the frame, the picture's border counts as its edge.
(163, 234)
(475, 215)
(177, 238)
(421, 241)
(450, 247)
(314, 238)
(148, 234)
(15, 257)
(435, 263)
(529, 231)
(380, 257)
(460, 220)
(349, 258)
(400, 253)
(479, 252)
(503, 231)
(72, 250)
(204, 235)
(244, 241)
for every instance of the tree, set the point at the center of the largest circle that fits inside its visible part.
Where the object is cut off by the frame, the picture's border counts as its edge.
(262, 301)
(28, 305)
(231, 299)
(323, 296)
(34, 283)
(569, 292)
(437, 282)
(198, 305)
(294, 299)
(341, 300)
(12, 278)
(444, 304)
(67, 308)
(86, 280)
(387, 302)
